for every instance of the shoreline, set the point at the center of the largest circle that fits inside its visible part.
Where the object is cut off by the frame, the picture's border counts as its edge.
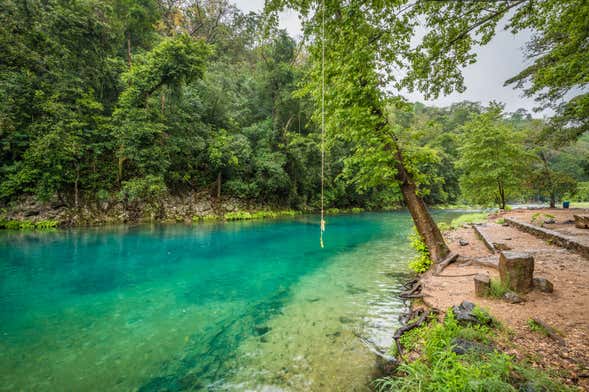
(525, 343)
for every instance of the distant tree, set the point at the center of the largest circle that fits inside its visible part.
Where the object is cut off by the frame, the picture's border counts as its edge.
(493, 159)
(559, 59)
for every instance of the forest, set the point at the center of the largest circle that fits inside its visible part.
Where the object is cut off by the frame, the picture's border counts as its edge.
(131, 101)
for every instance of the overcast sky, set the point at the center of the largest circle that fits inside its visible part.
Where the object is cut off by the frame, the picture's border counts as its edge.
(501, 59)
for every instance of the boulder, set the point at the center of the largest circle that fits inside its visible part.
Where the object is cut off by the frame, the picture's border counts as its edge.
(516, 270)
(544, 285)
(512, 298)
(482, 285)
(465, 315)
(462, 346)
(463, 242)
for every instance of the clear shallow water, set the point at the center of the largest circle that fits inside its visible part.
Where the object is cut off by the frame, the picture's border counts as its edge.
(238, 306)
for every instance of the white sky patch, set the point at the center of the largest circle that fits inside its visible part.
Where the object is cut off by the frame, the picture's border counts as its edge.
(498, 61)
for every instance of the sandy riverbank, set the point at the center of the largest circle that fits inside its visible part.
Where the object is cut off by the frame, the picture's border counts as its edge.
(566, 309)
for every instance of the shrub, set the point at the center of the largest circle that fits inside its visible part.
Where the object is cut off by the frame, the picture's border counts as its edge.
(422, 261)
(245, 215)
(46, 224)
(478, 217)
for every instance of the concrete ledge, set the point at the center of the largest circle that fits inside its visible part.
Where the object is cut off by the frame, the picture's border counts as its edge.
(483, 236)
(554, 237)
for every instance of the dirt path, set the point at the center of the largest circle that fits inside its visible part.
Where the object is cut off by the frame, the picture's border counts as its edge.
(566, 309)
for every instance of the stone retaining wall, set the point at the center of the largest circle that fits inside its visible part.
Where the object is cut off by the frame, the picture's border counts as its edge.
(554, 237)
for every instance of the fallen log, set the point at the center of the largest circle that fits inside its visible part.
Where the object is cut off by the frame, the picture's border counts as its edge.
(551, 332)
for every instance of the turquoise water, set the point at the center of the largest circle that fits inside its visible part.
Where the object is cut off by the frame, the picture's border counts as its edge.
(235, 306)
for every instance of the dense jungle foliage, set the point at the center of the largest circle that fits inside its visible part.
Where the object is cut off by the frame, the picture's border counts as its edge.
(137, 99)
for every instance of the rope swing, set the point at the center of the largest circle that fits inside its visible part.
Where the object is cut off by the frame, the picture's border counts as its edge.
(322, 225)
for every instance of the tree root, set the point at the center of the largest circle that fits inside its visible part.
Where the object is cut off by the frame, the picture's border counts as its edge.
(439, 267)
(412, 292)
(423, 316)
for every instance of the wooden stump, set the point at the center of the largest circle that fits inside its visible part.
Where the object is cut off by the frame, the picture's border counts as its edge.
(482, 285)
(517, 271)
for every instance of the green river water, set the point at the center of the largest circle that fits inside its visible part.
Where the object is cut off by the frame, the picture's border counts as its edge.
(237, 306)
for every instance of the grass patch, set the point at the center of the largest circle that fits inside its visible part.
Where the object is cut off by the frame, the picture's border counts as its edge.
(477, 217)
(28, 225)
(245, 215)
(498, 288)
(336, 211)
(540, 217)
(438, 368)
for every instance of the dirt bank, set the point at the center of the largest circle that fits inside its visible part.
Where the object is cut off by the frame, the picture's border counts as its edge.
(566, 309)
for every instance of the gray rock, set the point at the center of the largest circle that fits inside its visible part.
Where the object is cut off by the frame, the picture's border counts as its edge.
(261, 329)
(462, 346)
(512, 298)
(385, 365)
(464, 314)
(531, 387)
(463, 242)
(549, 221)
(544, 285)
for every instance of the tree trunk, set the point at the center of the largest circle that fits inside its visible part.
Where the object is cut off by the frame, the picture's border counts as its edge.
(426, 227)
(129, 49)
(76, 191)
(120, 171)
(219, 185)
(552, 200)
(501, 195)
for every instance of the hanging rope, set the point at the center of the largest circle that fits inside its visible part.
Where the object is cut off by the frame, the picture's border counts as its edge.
(322, 228)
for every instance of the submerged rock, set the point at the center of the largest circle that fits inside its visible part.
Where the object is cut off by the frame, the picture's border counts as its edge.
(351, 289)
(385, 365)
(261, 329)
(345, 320)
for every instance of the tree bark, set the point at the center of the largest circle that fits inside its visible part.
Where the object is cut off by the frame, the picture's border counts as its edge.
(219, 185)
(426, 227)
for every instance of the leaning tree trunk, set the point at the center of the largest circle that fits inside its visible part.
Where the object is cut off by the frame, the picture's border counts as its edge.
(426, 227)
